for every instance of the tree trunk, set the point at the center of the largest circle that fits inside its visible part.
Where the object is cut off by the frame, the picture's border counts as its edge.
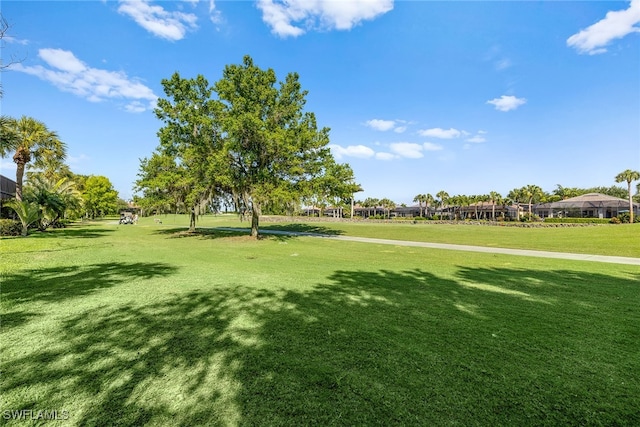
(352, 203)
(192, 220)
(630, 203)
(255, 219)
(19, 177)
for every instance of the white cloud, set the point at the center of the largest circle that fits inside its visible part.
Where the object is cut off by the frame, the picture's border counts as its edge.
(397, 150)
(359, 151)
(135, 107)
(429, 146)
(381, 125)
(476, 139)
(158, 21)
(62, 60)
(440, 133)
(292, 18)
(70, 74)
(503, 64)
(398, 126)
(507, 103)
(385, 156)
(407, 149)
(615, 25)
(214, 14)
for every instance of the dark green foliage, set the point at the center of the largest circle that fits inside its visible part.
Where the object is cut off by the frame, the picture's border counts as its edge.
(10, 227)
(99, 196)
(624, 218)
(573, 220)
(254, 145)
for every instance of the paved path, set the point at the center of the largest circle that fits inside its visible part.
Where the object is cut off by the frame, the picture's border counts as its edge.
(468, 248)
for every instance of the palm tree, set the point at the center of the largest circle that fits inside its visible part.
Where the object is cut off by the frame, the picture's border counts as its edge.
(428, 200)
(532, 192)
(443, 196)
(464, 201)
(566, 192)
(355, 188)
(495, 199)
(629, 176)
(474, 200)
(8, 139)
(453, 202)
(32, 141)
(54, 198)
(420, 198)
(371, 202)
(27, 212)
(388, 204)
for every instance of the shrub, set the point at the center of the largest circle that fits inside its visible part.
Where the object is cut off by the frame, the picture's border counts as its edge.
(577, 220)
(10, 227)
(61, 223)
(526, 217)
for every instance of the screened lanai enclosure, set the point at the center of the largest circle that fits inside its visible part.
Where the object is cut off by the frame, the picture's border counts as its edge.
(591, 205)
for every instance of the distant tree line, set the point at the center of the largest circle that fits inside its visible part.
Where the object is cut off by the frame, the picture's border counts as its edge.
(525, 196)
(51, 193)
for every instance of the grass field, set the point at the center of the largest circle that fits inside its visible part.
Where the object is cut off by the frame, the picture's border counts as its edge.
(615, 240)
(149, 325)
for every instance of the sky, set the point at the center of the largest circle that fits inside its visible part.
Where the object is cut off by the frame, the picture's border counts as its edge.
(466, 97)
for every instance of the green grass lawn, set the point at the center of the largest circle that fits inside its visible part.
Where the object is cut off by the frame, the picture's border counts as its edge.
(608, 239)
(149, 325)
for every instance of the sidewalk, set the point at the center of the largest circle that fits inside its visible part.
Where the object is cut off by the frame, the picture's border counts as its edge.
(446, 246)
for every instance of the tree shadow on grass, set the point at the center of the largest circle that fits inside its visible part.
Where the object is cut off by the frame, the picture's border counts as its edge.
(359, 348)
(75, 231)
(56, 284)
(204, 233)
(279, 233)
(303, 229)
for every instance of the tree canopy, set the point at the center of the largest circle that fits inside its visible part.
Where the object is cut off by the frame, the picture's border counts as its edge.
(99, 196)
(31, 141)
(254, 143)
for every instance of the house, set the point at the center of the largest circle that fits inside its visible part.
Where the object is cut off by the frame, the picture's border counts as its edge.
(7, 192)
(490, 210)
(7, 188)
(591, 205)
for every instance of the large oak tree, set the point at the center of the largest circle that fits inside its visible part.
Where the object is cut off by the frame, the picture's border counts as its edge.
(255, 142)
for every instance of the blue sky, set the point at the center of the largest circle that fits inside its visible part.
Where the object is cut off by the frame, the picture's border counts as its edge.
(420, 96)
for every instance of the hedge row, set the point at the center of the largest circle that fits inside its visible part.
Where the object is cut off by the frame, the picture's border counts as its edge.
(10, 227)
(577, 220)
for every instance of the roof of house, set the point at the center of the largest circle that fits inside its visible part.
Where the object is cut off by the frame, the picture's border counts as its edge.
(593, 200)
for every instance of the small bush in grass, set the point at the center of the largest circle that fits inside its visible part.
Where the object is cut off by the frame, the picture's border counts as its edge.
(10, 227)
(625, 218)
